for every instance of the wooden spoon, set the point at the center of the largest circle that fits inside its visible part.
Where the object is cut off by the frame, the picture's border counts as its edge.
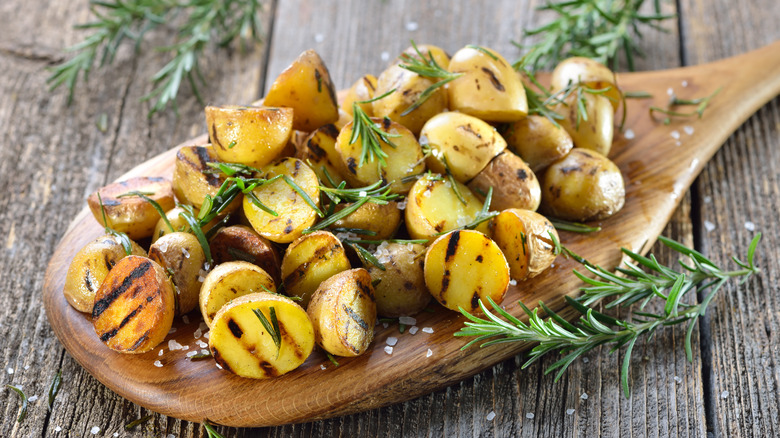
(659, 163)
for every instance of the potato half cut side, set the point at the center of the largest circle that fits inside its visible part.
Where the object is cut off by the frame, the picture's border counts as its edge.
(229, 281)
(524, 237)
(132, 215)
(241, 343)
(134, 307)
(182, 257)
(310, 260)
(248, 135)
(433, 207)
(464, 267)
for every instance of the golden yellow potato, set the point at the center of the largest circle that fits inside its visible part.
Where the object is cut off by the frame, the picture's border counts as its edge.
(524, 238)
(537, 141)
(363, 89)
(241, 343)
(179, 224)
(581, 70)
(464, 267)
(193, 178)
(310, 260)
(242, 243)
(182, 257)
(400, 290)
(134, 306)
(248, 135)
(382, 219)
(466, 142)
(514, 183)
(132, 215)
(306, 87)
(343, 313)
(408, 87)
(90, 267)
(489, 88)
(596, 132)
(582, 186)
(433, 207)
(318, 150)
(293, 214)
(228, 281)
(428, 51)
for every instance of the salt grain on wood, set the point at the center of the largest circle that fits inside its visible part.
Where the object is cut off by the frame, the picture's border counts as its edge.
(750, 226)
(584, 396)
(569, 411)
(391, 341)
(688, 129)
(429, 353)
(709, 226)
(388, 349)
(158, 364)
(411, 26)
(529, 416)
(10, 370)
(629, 134)
(407, 320)
(32, 398)
(724, 394)
(413, 330)
(490, 416)
(427, 329)
(94, 430)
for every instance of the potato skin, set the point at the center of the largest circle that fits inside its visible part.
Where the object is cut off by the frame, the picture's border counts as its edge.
(401, 289)
(318, 151)
(182, 257)
(514, 183)
(587, 71)
(537, 141)
(254, 136)
(227, 282)
(597, 131)
(193, 179)
(408, 87)
(90, 267)
(179, 224)
(132, 215)
(524, 238)
(134, 306)
(310, 260)
(383, 219)
(582, 186)
(239, 242)
(343, 313)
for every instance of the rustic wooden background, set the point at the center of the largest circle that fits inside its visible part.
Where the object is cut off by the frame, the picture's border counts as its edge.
(53, 155)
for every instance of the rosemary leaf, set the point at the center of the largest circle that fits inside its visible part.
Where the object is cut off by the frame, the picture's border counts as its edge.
(54, 388)
(135, 423)
(23, 411)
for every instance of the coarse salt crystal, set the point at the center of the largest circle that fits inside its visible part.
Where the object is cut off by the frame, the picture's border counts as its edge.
(401, 205)
(160, 353)
(670, 91)
(201, 279)
(173, 345)
(490, 416)
(391, 341)
(529, 415)
(26, 367)
(411, 26)
(158, 364)
(363, 194)
(427, 329)
(218, 365)
(385, 56)
(629, 134)
(678, 143)
(388, 349)
(202, 344)
(407, 320)
(94, 430)
(163, 247)
(318, 38)
(197, 333)
(677, 379)
(513, 282)
(750, 226)
(185, 319)
(10, 370)
(206, 335)
(172, 330)
(323, 367)
(192, 353)
(684, 83)
(429, 353)
(115, 434)
(724, 394)
(170, 435)
(385, 325)
(569, 411)
(675, 134)
(709, 225)
(204, 352)
(185, 253)
(413, 330)
(57, 429)
(585, 360)
(32, 398)
(707, 199)
(584, 396)
(688, 129)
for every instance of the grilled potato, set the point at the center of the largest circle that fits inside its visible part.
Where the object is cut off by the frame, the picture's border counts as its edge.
(193, 178)
(90, 267)
(581, 70)
(179, 224)
(134, 306)
(433, 207)
(310, 260)
(524, 238)
(229, 281)
(182, 257)
(428, 51)
(293, 214)
(343, 313)
(306, 87)
(242, 344)
(132, 215)
(363, 89)
(401, 287)
(318, 150)
(464, 267)
(597, 131)
(239, 242)
(537, 141)
(382, 219)
(514, 183)
(408, 86)
(254, 136)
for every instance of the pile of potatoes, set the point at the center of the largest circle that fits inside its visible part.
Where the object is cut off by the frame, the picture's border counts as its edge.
(470, 138)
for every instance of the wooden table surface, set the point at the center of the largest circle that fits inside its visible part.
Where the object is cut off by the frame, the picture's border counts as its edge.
(53, 156)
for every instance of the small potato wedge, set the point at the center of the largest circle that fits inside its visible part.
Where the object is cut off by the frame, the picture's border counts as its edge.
(407, 88)
(182, 257)
(428, 51)
(90, 267)
(318, 151)
(537, 141)
(465, 267)
(306, 87)
(597, 131)
(228, 281)
(363, 89)
(400, 290)
(239, 242)
(293, 213)
(193, 178)
(524, 238)
(134, 306)
(582, 186)
(244, 344)
(433, 207)
(179, 224)
(581, 70)
(514, 183)
(343, 313)
(310, 260)
(249, 135)
(465, 142)
(382, 219)
(132, 215)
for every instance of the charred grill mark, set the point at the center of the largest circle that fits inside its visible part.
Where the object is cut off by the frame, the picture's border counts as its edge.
(130, 316)
(475, 300)
(140, 341)
(269, 369)
(493, 79)
(298, 273)
(315, 148)
(568, 169)
(468, 128)
(522, 175)
(479, 258)
(355, 317)
(352, 165)
(408, 285)
(109, 262)
(214, 138)
(368, 84)
(452, 246)
(218, 358)
(108, 335)
(204, 159)
(287, 339)
(235, 329)
(102, 304)
(445, 282)
(88, 280)
(330, 130)
(386, 122)
(366, 289)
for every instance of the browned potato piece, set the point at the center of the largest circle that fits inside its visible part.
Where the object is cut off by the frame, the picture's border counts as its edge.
(581, 70)
(464, 267)
(90, 267)
(405, 159)
(400, 290)
(582, 186)
(193, 178)
(182, 257)
(344, 119)
(306, 87)
(318, 150)
(343, 313)
(293, 213)
(132, 215)
(363, 89)
(467, 143)
(310, 260)
(408, 87)
(228, 281)
(239, 242)
(524, 238)
(514, 183)
(537, 141)
(489, 87)
(383, 219)
(597, 131)
(428, 51)
(134, 307)
(179, 224)
(249, 135)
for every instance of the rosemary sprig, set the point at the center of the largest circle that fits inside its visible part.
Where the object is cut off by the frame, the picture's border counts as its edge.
(597, 29)
(593, 328)
(427, 68)
(272, 326)
(23, 411)
(483, 215)
(365, 255)
(210, 430)
(370, 133)
(375, 193)
(54, 388)
(574, 227)
(120, 20)
(135, 423)
(701, 104)
(145, 197)
(127, 244)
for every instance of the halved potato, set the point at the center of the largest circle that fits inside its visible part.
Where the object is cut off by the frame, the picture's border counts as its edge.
(132, 215)
(433, 207)
(597, 131)
(464, 267)
(249, 135)
(90, 267)
(401, 287)
(537, 141)
(363, 89)
(193, 178)
(514, 183)
(310, 260)
(134, 306)
(318, 150)
(382, 219)
(524, 238)
(182, 257)
(239, 242)
(581, 70)
(241, 343)
(343, 313)
(228, 281)
(428, 51)
(179, 224)
(408, 87)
